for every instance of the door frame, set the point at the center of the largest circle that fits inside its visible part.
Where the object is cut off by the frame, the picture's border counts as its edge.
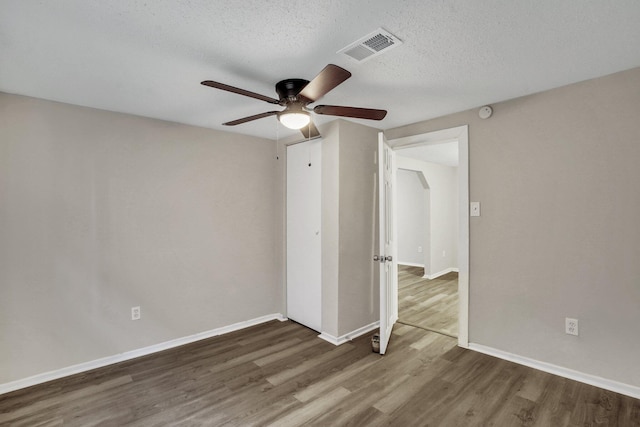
(460, 134)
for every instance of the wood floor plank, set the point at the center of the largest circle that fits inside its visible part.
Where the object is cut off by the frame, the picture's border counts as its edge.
(259, 354)
(330, 382)
(360, 400)
(392, 401)
(437, 394)
(289, 373)
(313, 409)
(279, 354)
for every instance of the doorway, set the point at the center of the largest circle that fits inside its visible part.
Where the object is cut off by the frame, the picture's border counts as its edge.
(427, 198)
(444, 268)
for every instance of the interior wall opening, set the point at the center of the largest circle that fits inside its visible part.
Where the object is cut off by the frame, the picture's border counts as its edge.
(434, 295)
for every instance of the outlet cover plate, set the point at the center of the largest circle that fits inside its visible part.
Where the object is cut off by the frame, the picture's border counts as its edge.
(571, 326)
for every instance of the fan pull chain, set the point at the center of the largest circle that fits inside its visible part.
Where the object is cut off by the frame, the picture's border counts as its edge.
(277, 141)
(309, 142)
(309, 146)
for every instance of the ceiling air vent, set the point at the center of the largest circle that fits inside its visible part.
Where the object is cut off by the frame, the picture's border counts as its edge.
(371, 45)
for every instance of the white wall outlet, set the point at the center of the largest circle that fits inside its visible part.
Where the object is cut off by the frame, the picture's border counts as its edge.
(135, 313)
(419, 249)
(444, 253)
(571, 326)
(474, 208)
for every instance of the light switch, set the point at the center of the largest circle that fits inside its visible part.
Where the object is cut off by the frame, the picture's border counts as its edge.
(475, 208)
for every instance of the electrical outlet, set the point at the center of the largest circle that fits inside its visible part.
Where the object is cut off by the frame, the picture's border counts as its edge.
(571, 326)
(419, 249)
(135, 313)
(444, 253)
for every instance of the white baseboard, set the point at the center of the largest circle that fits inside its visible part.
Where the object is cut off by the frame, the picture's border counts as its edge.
(439, 273)
(615, 386)
(349, 336)
(110, 360)
(410, 264)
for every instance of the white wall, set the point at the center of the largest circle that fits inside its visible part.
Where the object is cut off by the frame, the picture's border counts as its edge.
(557, 174)
(101, 211)
(443, 207)
(412, 217)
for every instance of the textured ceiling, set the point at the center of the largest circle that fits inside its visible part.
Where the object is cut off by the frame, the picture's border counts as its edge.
(147, 57)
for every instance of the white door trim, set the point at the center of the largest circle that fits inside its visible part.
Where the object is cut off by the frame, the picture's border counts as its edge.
(460, 134)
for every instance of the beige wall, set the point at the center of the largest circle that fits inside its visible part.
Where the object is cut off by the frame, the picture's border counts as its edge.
(359, 292)
(101, 211)
(557, 174)
(330, 227)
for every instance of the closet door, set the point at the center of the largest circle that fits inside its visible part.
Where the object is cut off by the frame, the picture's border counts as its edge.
(304, 286)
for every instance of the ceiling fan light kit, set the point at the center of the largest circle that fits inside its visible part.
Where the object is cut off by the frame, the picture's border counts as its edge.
(296, 94)
(294, 119)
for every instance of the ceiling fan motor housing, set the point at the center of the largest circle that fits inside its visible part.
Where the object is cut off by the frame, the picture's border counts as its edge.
(289, 89)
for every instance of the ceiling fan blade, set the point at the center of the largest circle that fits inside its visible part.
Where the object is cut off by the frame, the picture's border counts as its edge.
(250, 118)
(359, 113)
(310, 131)
(330, 77)
(239, 91)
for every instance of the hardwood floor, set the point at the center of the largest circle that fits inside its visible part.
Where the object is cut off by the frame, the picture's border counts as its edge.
(281, 374)
(428, 304)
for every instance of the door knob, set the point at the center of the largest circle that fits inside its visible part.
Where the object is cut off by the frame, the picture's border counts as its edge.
(388, 258)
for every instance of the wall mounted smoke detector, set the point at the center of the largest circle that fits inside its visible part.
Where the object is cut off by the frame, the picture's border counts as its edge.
(485, 112)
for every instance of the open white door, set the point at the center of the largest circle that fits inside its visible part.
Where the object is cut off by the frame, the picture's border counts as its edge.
(387, 256)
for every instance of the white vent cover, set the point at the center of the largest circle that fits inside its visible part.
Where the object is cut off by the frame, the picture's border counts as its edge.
(371, 45)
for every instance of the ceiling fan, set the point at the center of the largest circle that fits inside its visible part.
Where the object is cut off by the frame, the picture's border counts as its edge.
(296, 94)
